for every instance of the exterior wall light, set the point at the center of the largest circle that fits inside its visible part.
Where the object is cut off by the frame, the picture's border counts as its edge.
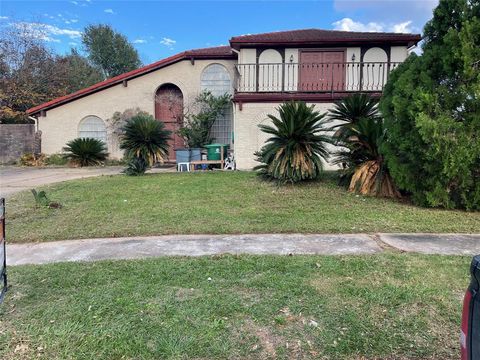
(291, 58)
(353, 57)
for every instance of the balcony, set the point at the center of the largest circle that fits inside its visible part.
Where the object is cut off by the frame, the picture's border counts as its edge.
(310, 79)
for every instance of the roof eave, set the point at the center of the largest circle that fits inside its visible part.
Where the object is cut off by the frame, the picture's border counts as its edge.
(237, 44)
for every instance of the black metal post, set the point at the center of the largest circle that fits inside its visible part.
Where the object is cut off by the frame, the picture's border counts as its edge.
(3, 273)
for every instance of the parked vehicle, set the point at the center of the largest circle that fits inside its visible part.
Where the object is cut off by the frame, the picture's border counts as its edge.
(470, 331)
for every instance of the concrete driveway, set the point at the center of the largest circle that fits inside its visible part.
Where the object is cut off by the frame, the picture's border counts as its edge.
(14, 179)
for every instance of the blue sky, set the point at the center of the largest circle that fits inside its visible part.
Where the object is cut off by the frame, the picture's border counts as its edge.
(162, 28)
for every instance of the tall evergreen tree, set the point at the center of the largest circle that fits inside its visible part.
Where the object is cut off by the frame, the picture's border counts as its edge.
(431, 106)
(109, 50)
(78, 71)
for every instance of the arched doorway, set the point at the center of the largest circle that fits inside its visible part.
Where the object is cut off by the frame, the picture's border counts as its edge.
(169, 109)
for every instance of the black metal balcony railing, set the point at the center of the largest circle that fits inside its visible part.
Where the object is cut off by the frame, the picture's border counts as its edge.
(313, 77)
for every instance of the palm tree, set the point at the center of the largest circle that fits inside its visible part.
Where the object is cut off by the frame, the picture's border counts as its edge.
(360, 135)
(145, 138)
(295, 150)
(354, 108)
(85, 151)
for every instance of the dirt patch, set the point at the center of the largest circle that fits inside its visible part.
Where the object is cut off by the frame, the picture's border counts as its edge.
(267, 341)
(249, 296)
(184, 294)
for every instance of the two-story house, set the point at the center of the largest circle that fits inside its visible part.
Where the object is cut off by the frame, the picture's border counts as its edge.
(260, 71)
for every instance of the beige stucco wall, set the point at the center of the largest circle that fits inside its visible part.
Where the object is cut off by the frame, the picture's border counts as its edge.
(248, 72)
(60, 124)
(398, 53)
(249, 138)
(270, 70)
(291, 69)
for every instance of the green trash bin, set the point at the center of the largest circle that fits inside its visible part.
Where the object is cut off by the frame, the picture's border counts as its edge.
(213, 151)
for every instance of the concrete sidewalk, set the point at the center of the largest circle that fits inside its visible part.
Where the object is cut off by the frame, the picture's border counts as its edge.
(188, 245)
(444, 244)
(275, 244)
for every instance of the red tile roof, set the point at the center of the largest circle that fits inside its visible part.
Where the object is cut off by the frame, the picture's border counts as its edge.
(219, 52)
(318, 36)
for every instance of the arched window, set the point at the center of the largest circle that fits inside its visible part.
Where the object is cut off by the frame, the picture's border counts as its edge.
(216, 79)
(92, 127)
(270, 70)
(375, 69)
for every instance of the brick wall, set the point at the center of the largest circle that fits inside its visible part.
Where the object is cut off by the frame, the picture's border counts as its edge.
(16, 140)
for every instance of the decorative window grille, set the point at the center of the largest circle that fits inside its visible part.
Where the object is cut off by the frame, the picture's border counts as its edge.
(222, 127)
(93, 127)
(216, 79)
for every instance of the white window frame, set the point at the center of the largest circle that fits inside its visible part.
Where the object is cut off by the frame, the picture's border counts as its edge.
(217, 82)
(93, 127)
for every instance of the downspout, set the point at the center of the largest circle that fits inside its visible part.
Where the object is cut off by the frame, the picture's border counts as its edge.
(411, 48)
(35, 121)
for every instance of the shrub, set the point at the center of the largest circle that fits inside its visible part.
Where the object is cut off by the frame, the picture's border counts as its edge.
(360, 134)
(85, 152)
(56, 159)
(295, 150)
(41, 199)
(145, 138)
(431, 106)
(198, 125)
(135, 167)
(29, 159)
(116, 162)
(117, 122)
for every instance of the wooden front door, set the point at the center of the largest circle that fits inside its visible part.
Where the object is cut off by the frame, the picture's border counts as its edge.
(322, 71)
(169, 109)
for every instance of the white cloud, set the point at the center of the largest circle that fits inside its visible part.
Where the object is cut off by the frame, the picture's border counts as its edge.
(80, 3)
(45, 31)
(109, 11)
(71, 43)
(3, 17)
(139, 41)
(72, 34)
(168, 42)
(402, 27)
(347, 24)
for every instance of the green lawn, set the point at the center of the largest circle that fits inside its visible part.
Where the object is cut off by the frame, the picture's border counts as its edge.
(386, 306)
(216, 202)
